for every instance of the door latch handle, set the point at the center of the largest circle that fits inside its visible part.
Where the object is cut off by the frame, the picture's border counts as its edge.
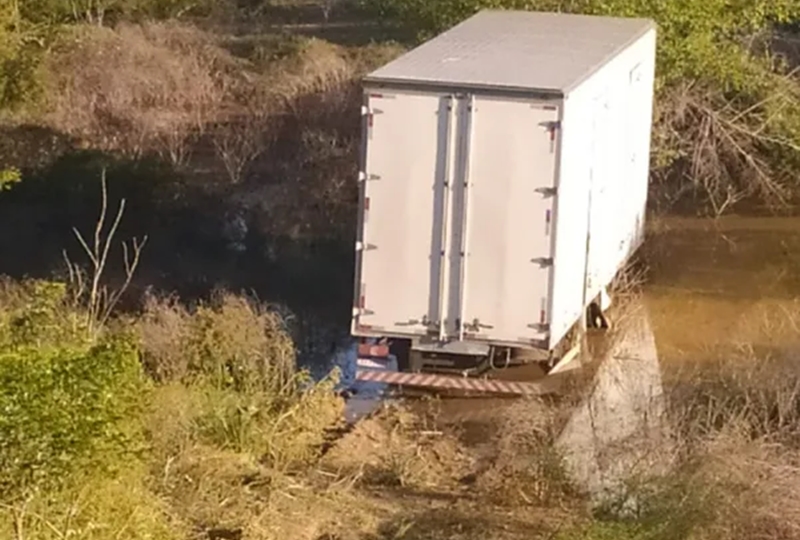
(477, 326)
(425, 321)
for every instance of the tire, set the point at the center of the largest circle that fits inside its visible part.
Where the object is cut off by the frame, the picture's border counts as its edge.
(595, 318)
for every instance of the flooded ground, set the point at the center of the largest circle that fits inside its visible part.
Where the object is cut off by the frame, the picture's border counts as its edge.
(715, 286)
(712, 290)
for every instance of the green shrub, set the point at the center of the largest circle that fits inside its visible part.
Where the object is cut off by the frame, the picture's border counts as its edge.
(66, 403)
(231, 365)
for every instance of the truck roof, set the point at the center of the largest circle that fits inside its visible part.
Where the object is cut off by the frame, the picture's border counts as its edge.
(515, 50)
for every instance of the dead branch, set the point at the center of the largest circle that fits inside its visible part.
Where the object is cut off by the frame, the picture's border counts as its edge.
(238, 142)
(719, 147)
(102, 301)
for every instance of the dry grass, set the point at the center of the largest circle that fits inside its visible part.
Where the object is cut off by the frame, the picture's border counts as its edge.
(218, 490)
(97, 506)
(235, 430)
(744, 393)
(172, 83)
(168, 81)
(398, 448)
(231, 340)
(526, 468)
(241, 389)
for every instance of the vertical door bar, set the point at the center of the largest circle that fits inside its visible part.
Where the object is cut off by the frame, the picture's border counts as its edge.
(467, 157)
(445, 216)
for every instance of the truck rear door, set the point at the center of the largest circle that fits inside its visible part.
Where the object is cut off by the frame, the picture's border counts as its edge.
(403, 202)
(508, 220)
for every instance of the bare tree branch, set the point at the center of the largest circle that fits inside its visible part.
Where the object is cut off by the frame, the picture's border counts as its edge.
(101, 302)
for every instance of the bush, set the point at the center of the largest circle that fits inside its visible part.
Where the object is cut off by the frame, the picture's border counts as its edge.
(67, 403)
(241, 388)
(230, 342)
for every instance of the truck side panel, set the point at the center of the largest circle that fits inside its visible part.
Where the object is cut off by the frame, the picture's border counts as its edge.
(400, 244)
(615, 186)
(616, 225)
(508, 222)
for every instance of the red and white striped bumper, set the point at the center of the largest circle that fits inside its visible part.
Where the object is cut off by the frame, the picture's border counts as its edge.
(431, 380)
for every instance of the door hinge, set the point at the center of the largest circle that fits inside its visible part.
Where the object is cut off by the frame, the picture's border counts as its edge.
(365, 110)
(543, 261)
(547, 191)
(541, 327)
(361, 246)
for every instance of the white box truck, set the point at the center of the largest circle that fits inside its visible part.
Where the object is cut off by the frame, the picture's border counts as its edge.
(503, 184)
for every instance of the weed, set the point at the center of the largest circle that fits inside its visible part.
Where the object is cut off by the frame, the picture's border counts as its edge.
(95, 507)
(527, 468)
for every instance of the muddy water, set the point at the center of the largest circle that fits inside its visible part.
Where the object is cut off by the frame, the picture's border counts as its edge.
(715, 286)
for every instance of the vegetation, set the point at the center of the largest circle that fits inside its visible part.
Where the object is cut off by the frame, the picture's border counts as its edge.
(81, 418)
(141, 398)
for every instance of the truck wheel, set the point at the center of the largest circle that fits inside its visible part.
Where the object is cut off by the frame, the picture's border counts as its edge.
(595, 318)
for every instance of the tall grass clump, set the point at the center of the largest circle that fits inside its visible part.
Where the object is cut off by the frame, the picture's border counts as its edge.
(233, 418)
(738, 420)
(234, 359)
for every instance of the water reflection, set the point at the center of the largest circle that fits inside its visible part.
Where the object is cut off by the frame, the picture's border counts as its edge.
(364, 397)
(616, 429)
(713, 284)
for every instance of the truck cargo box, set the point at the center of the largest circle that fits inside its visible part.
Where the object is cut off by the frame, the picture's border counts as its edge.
(504, 177)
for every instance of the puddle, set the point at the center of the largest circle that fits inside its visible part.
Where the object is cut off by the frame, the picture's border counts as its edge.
(364, 397)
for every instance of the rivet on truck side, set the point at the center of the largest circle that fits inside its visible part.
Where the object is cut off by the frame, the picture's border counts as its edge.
(456, 220)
